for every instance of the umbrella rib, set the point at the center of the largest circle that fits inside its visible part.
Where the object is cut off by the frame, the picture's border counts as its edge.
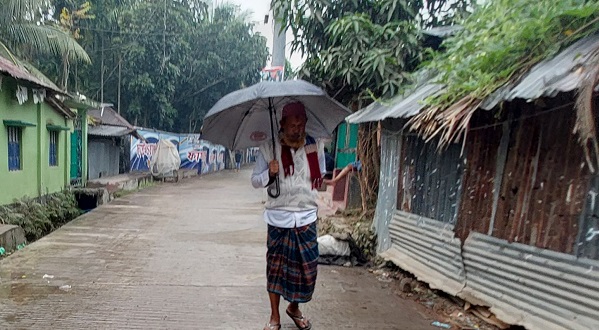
(320, 122)
(245, 114)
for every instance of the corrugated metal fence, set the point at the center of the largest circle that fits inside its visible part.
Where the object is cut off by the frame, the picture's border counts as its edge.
(588, 238)
(537, 183)
(429, 249)
(387, 202)
(103, 158)
(430, 182)
(538, 288)
(525, 285)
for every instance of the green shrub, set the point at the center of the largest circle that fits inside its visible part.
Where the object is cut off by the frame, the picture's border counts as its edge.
(38, 217)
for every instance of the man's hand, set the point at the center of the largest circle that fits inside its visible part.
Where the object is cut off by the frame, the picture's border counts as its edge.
(273, 168)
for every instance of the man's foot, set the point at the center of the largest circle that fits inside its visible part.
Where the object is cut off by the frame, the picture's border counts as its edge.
(298, 318)
(271, 326)
(274, 323)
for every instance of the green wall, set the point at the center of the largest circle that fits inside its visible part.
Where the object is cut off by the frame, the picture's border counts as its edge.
(36, 176)
(347, 143)
(55, 178)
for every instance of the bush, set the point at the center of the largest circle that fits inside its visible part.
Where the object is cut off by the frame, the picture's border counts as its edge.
(39, 217)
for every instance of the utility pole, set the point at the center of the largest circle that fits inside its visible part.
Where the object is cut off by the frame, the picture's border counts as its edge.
(164, 39)
(118, 101)
(279, 41)
(102, 73)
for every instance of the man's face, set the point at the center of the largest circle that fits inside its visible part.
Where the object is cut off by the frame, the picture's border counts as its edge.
(294, 127)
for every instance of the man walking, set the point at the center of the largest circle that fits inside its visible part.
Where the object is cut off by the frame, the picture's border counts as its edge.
(292, 255)
(237, 160)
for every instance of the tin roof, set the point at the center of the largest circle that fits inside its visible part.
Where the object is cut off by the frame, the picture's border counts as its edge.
(110, 123)
(404, 106)
(106, 130)
(563, 73)
(60, 106)
(20, 73)
(108, 116)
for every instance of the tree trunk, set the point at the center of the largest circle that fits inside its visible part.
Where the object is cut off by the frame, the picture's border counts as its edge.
(65, 71)
(369, 154)
(118, 98)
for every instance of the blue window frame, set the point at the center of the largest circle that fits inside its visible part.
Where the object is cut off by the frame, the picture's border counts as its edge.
(53, 148)
(14, 148)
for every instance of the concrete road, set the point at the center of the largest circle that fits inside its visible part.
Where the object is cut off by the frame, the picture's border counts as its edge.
(178, 256)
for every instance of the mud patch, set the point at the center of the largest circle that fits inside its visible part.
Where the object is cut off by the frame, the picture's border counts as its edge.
(24, 293)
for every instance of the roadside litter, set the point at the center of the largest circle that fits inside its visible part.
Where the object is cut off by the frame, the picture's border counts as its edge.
(441, 325)
(339, 250)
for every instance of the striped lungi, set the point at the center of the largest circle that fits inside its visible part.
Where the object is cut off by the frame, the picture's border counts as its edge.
(291, 262)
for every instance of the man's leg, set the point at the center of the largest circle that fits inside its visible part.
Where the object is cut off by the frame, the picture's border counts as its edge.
(275, 317)
(293, 309)
(273, 262)
(308, 256)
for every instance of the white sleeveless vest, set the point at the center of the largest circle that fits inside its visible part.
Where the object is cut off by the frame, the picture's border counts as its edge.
(296, 189)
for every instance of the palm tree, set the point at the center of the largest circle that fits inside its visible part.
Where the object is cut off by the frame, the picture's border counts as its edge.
(27, 30)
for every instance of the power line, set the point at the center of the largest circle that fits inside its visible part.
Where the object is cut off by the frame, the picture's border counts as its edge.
(122, 47)
(160, 34)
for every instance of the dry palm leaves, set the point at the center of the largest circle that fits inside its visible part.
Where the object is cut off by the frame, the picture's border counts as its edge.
(447, 123)
(585, 125)
(499, 42)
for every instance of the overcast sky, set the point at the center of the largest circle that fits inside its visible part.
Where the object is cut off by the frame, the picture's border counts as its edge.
(258, 9)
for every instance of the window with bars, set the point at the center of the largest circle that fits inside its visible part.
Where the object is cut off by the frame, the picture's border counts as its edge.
(14, 148)
(53, 148)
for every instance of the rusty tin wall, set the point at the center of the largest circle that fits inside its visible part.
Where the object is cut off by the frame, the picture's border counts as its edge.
(527, 181)
(479, 181)
(545, 182)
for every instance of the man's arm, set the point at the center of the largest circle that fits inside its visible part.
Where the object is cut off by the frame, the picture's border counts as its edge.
(263, 176)
(260, 175)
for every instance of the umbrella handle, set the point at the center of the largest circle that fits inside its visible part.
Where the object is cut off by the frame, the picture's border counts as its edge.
(274, 190)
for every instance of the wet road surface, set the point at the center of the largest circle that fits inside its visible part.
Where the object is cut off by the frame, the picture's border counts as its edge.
(178, 256)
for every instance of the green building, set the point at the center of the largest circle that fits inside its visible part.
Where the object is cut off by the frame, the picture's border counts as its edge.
(35, 135)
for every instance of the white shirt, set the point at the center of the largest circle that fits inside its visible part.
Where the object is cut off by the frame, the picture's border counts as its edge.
(284, 218)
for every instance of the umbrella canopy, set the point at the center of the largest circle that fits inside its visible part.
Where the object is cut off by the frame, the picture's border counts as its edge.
(242, 119)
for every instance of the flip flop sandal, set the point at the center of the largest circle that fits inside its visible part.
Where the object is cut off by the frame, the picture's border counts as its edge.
(298, 320)
(272, 327)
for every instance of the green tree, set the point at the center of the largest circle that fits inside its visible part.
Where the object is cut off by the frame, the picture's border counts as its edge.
(359, 50)
(26, 31)
(225, 56)
(164, 63)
